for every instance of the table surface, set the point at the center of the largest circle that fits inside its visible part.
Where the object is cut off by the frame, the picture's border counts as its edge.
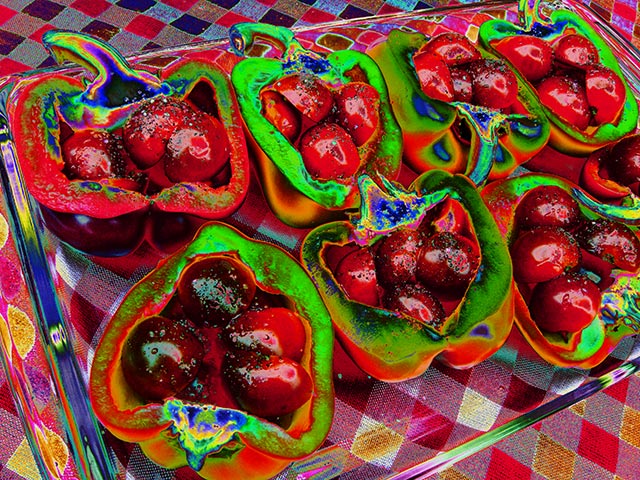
(596, 438)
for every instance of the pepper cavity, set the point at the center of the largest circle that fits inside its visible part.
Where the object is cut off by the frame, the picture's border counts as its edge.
(164, 141)
(221, 340)
(326, 124)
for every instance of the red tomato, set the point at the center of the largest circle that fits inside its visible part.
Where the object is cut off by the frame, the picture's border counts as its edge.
(417, 302)
(547, 206)
(567, 303)
(267, 385)
(196, 152)
(149, 128)
(308, 94)
(357, 107)
(565, 98)
(622, 163)
(273, 331)
(494, 84)
(612, 241)
(329, 153)
(543, 253)
(281, 114)
(447, 262)
(395, 257)
(576, 51)
(356, 274)
(462, 84)
(212, 290)
(531, 56)
(452, 48)
(434, 76)
(93, 155)
(161, 357)
(605, 93)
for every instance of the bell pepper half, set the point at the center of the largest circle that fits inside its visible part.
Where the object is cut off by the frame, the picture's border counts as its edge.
(293, 194)
(109, 216)
(391, 346)
(618, 315)
(217, 442)
(499, 142)
(565, 137)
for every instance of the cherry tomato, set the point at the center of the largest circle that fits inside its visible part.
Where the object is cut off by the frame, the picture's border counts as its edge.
(547, 206)
(161, 357)
(605, 93)
(567, 303)
(543, 253)
(395, 258)
(329, 153)
(566, 98)
(267, 385)
(576, 51)
(273, 331)
(531, 56)
(447, 262)
(622, 163)
(434, 76)
(214, 289)
(93, 155)
(356, 274)
(612, 241)
(196, 152)
(149, 128)
(357, 107)
(416, 301)
(494, 84)
(281, 114)
(452, 48)
(462, 84)
(308, 94)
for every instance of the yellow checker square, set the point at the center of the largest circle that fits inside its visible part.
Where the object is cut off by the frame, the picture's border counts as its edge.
(553, 460)
(374, 442)
(477, 411)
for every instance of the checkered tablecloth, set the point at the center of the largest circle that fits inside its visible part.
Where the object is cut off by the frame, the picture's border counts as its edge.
(598, 438)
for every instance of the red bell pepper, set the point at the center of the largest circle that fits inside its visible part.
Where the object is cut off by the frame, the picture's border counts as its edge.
(216, 440)
(617, 315)
(112, 215)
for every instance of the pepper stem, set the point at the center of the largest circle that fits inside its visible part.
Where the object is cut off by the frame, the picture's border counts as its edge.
(243, 35)
(115, 83)
(484, 146)
(529, 13)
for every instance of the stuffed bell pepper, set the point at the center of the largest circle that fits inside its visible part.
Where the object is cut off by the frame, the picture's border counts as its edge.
(219, 359)
(575, 266)
(114, 155)
(460, 109)
(316, 122)
(419, 274)
(575, 73)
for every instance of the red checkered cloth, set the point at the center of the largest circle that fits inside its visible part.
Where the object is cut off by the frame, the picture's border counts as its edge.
(379, 428)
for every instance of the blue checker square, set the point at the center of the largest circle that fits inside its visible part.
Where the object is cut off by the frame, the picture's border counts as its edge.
(275, 17)
(354, 12)
(332, 6)
(190, 24)
(9, 41)
(164, 13)
(251, 9)
(43, 9)
(136, 5)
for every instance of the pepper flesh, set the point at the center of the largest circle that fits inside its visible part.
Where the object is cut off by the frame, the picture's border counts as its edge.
(393, 347)
(618, 316)
(429, 126)
(218, 442)
(564, 137)
(100, 217)
(294, 196)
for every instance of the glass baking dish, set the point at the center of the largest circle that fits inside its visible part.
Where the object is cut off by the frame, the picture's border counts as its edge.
(437, 419)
